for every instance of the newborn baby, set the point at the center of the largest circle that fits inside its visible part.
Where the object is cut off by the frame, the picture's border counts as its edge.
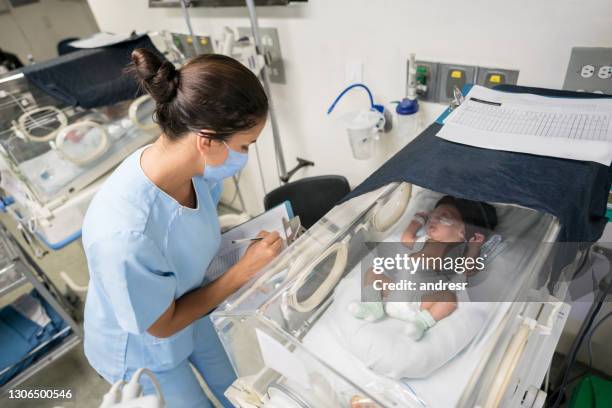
(454, 228)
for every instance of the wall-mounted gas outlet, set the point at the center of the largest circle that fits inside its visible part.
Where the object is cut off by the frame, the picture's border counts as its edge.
(271, 48)
(185, 44)
(427, 80)
(589, 70)
(491, 77)
(453, 76)
(436, 81)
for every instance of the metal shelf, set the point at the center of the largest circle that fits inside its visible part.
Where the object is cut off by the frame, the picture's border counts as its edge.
(66, 344)
(18, 267)
(11, 279)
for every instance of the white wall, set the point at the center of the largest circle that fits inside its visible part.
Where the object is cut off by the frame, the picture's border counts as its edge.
(35, 29)
(320, 37)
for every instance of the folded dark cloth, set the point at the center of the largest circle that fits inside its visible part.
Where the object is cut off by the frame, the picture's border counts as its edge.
(90, 78)
(19, 336)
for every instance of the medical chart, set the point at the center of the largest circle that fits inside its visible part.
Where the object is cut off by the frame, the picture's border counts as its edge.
(569, 128)
(229, 252)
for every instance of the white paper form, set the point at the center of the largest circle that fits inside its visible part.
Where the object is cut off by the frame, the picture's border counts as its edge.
(569, 128)
(229, 253)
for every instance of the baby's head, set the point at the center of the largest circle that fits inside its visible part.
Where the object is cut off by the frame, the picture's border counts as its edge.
(457, 219)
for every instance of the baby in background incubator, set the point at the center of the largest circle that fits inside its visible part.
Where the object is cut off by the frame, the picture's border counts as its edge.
(454, 228)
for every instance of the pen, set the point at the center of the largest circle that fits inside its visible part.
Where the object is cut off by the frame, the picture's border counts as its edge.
(240, 241)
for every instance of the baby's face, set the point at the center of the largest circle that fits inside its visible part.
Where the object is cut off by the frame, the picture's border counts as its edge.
(445, 225)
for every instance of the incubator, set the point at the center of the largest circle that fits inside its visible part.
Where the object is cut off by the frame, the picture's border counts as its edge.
(53, 156)
(294, 343)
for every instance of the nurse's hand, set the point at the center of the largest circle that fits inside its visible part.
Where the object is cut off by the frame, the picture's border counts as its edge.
(198, 302)
(259, 254)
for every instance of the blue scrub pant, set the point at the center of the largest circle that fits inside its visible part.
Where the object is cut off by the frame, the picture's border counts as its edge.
(181, 388)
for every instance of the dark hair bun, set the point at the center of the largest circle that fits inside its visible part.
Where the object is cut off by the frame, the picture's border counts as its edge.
(156, 75)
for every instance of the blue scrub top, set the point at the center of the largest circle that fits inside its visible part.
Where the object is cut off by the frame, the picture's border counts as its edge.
(143, 250)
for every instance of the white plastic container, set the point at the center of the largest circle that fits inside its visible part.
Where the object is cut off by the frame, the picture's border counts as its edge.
(406, 117)
(363, 128)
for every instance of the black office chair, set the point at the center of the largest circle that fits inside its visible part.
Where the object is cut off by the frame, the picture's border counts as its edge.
(310, 197)
(64, 47)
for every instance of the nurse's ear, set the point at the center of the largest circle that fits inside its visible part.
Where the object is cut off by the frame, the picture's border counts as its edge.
(204, 142)
(211, 148)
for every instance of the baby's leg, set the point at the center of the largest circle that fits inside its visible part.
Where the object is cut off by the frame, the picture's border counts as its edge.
(372, 309)
(439, 304)
(434, 307)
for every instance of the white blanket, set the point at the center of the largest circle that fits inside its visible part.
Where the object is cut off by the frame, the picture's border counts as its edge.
(382, 345)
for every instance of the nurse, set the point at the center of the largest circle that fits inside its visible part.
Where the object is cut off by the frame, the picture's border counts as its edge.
(152, 230)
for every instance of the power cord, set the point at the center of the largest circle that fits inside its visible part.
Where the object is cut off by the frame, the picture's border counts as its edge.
(587, 333)
(129, 394)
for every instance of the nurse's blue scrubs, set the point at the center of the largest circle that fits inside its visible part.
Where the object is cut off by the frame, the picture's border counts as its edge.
(144, 250)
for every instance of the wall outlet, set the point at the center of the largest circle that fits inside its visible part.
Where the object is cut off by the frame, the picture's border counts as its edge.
(589, 70)
(270, 44)
(427, 80)
(185, 44)
(354, 72)
(491, 77)
(605, 72)
(451, 76)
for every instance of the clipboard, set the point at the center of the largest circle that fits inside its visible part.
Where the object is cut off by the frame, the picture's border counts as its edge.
(280, 219)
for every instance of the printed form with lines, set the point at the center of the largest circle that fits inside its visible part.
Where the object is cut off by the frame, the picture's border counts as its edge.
(569, 128)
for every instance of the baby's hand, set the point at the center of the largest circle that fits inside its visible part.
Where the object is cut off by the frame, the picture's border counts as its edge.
(474, 244)
(408, 238)
(478, 238)
(421, 217)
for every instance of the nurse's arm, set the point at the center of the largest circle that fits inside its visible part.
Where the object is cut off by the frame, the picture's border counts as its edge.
(193, 305)
(197, 303)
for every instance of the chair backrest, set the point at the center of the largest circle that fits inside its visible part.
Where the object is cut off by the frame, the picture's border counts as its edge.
(310, 197)
(64, 47)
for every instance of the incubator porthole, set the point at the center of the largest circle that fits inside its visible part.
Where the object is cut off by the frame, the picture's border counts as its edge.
(389, 213)
(320, 277)
(82, 142)
(281, 396)
(141, 112)
(41, 124)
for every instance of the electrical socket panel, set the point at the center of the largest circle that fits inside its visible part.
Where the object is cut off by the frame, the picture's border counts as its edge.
(270, 44)
(185, 44)
(491, 77)
(436, 80)
(589, 70)
(451, 76)
(427, 80)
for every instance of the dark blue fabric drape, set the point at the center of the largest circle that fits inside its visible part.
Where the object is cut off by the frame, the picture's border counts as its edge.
(90, 78)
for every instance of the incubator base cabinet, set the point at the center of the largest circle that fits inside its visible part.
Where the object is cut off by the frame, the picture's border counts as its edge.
(294, 338)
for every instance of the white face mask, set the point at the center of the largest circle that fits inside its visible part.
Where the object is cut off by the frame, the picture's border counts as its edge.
(234, 162)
